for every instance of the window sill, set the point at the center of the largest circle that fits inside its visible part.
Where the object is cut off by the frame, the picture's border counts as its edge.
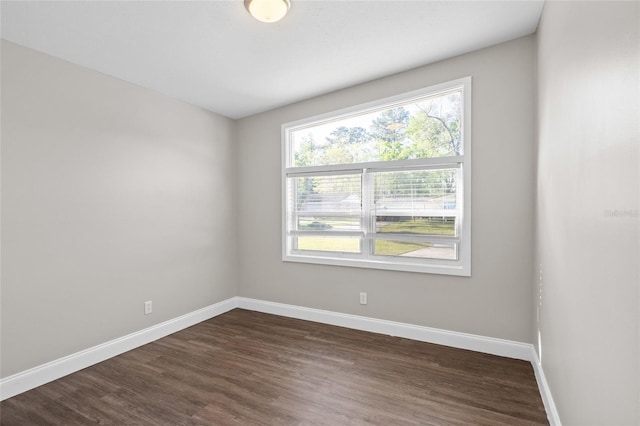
(455, 268)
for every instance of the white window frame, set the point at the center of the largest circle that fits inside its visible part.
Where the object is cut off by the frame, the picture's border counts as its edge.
(459, 267)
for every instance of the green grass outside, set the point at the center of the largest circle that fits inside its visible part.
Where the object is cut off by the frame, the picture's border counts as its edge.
(383, 247)
(421, 226)
(346, 245)
(396, 248)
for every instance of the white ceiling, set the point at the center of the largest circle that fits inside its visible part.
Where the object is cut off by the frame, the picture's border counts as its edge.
(215, 55)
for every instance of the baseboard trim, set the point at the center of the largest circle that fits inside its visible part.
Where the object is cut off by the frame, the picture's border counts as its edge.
(490, 345)
(40, 375)
(545, 391)
(45, 373)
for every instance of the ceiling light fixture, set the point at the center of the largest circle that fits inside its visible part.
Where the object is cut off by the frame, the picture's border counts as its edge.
(267, 10)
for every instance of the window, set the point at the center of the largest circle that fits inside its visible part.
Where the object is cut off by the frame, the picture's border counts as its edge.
(384, 185)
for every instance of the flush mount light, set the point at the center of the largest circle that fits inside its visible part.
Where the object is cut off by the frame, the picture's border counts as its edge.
(267, 10)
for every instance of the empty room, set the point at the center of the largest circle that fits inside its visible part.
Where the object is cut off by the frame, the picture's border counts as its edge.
(314, 212)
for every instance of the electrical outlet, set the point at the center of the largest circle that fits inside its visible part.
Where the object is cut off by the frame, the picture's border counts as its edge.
(363, 298)
(148, 307)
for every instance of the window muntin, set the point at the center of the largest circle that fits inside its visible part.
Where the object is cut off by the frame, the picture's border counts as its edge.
(385, 185)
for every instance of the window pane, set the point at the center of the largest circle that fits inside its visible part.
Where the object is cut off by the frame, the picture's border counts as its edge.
(421, 128)
(416, 250)
(417, 225)
(336, 244)
(329, 223)
(337, 194)
(416, 202)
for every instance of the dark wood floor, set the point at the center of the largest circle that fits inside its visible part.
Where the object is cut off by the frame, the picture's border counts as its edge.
(248, 368)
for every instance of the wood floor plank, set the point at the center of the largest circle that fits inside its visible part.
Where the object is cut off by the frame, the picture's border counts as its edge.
(249, 368)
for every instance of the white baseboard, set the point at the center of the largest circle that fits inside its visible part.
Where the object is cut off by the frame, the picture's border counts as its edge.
(37, 376)
(490, 345)
(545, 391)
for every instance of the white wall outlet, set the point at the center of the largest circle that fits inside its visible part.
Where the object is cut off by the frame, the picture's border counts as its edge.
(148, 307)
(363, 298)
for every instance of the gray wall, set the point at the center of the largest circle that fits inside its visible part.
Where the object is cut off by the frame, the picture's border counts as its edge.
(497, 299)
(588, 233)
(111, 195)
